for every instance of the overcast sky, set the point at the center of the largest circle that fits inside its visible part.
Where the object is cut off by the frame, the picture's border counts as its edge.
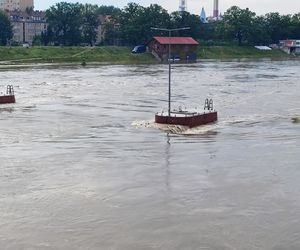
(194, 6)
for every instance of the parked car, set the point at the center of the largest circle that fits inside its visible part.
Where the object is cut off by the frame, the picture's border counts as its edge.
(174, 58)
(139, 49)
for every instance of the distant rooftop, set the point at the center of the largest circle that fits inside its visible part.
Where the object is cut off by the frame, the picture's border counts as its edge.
(175, 40)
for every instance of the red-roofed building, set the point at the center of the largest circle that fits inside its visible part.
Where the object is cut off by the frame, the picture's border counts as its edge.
(183, 48)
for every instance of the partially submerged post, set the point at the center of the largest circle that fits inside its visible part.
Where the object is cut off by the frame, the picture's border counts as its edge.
(183, 117)
(169, 60)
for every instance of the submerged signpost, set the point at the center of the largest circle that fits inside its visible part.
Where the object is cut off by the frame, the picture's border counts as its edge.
(184, 117)
(169, 59)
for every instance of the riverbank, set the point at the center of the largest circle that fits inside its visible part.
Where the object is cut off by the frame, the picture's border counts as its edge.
(238, 52)
(121, 55)
(47, 54)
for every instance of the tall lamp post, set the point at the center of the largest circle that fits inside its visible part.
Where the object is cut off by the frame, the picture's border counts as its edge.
(169, 59)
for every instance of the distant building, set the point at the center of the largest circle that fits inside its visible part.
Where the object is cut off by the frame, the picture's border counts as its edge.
(27, 25)
(183, 48)
(214, 19)
(203, 16)
(182, 5)
(16, 5)
(290, 46)
(217, 16)
(216, 9)
(101, 30)
(107, 30)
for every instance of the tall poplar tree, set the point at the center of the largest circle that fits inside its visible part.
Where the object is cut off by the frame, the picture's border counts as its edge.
(6, 32)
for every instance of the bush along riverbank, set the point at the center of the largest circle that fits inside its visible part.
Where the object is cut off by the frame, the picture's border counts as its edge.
(122, 55)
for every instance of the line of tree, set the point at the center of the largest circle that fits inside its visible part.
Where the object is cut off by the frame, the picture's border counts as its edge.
(237, 25)
(6, 31)
(244, 26)
(74, 24)
(71, 24)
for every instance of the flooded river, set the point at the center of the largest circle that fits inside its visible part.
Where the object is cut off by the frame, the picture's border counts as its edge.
(83, 166)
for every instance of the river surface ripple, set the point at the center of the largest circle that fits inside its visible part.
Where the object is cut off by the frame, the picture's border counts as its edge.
(84, 167)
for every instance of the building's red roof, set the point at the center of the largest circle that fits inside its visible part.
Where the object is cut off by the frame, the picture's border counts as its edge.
(175, 40)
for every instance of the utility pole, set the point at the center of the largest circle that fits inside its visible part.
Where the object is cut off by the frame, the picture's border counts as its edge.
(169, 60)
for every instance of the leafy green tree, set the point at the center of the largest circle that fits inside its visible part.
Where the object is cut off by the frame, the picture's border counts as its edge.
(6, 32)
(185, 19)
(111, 28)
(72, 24)
(47, 37)
(129, 23)
(295, 26)
(258, 34)
(90, 23)
(208, 31)
(136, 21)
(108, 10)
(277, 26)
(37, 40)
(153, 16)
(223, 31)
(110, 33)
(65, 22)
(238, 24)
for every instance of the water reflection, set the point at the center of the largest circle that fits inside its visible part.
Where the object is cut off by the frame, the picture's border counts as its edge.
(167, 167)
(7, 109)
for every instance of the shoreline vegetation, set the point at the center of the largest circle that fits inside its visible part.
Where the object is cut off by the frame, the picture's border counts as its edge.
(123, 55)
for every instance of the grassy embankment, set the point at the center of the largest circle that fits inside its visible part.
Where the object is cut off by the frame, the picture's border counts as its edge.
(109, 54)
(238, 52)
(121, 55)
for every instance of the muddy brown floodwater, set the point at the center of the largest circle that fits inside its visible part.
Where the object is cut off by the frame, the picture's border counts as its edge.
(83, 166)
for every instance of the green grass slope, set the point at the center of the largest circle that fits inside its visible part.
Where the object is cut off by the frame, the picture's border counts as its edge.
(105, 54)
(238, 52)
(121, 55)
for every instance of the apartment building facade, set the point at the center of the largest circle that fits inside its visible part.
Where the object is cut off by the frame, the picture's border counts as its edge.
(27, 25)
(19, 5)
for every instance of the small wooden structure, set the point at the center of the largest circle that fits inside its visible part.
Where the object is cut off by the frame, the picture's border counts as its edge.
(183, 48)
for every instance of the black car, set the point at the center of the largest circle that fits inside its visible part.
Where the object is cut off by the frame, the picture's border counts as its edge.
(139, 49)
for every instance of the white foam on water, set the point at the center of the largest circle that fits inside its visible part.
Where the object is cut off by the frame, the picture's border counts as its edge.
(143, 124)
(176, 129)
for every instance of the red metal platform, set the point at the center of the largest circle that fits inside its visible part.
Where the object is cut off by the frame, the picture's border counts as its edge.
(186, 118)
(9, 97)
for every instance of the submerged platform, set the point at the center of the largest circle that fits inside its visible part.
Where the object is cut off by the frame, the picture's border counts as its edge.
(9, 97)
(185, 118)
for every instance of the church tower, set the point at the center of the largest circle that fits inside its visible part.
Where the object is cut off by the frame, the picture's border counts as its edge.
(182, 5)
